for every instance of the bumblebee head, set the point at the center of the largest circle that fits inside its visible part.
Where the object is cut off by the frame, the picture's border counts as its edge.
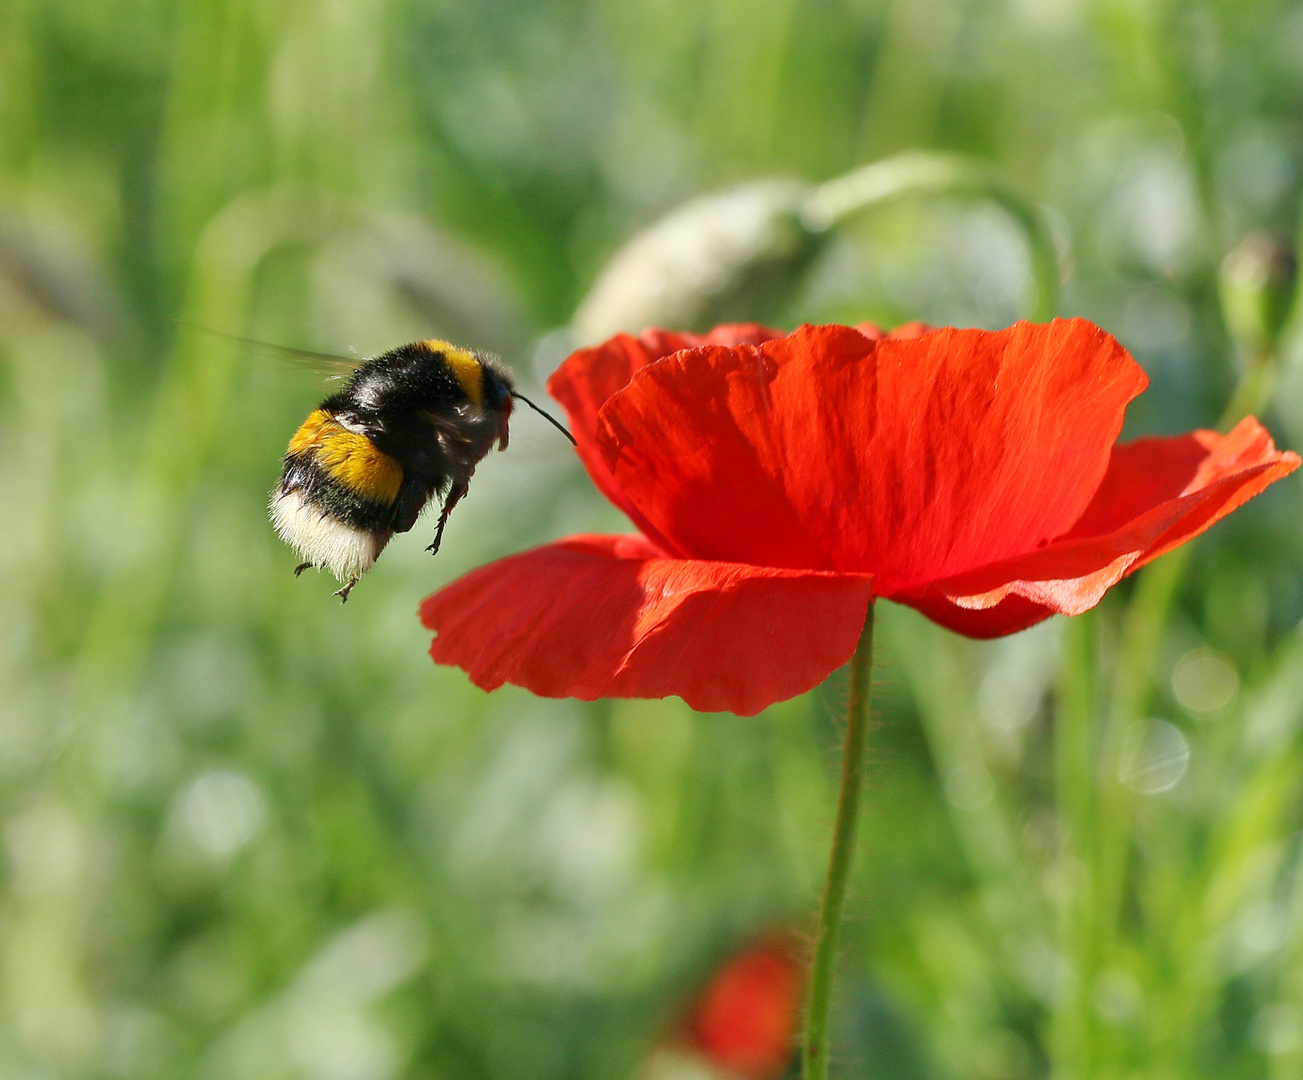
(498, 397)
(497, 389)
(451, 374)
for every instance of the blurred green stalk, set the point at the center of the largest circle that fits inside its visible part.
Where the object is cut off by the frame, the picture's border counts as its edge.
(1072, 1027)
(919, 172)
(1097, 810)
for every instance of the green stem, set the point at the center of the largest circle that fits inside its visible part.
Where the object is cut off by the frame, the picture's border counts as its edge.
(1255, 389)
(815, 1049)
(923, 172)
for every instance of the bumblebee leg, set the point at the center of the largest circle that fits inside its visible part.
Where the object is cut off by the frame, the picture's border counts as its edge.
(412, 497)
(304, 566)
(455, 494)
(343, 593)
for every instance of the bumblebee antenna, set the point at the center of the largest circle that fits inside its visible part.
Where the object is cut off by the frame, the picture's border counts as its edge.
(549, 417)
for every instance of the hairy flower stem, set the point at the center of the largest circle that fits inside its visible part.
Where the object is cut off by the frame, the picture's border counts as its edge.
(815, 1047)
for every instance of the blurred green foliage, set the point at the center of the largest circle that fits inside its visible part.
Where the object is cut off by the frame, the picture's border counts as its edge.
(248, 833)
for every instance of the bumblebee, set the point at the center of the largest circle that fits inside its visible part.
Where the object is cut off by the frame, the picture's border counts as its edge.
(410, 426)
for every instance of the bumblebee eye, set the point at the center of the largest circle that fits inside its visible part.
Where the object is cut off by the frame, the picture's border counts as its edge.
(498, 396)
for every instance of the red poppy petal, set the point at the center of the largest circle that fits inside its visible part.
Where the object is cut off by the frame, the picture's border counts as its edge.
(1143, 473)
(1010, 615)
(611, 616)
(1158, 494)
(910, 459)
(588, 377)
(582, 384)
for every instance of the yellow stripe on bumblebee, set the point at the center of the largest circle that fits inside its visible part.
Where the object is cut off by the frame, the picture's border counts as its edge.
(351, 459)
(465, 366)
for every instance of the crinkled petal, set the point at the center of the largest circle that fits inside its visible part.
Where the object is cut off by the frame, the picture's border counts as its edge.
(912, 460)
(588, 377)
(1158, 494)
(611, 616)
(1010, 615)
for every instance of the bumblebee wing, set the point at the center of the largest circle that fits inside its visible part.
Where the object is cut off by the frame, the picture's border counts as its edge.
(452, 427)
(330, 365)
(456, 425)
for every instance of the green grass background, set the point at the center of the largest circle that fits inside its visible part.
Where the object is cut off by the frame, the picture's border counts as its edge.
(247, 833)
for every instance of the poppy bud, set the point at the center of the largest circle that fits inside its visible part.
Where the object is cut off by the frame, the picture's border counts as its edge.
(726, 256)
(1257, 287)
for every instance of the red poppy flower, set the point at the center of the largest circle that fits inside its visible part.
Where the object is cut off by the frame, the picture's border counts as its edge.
(742, 1024)
(745, 1020)
(780, 483)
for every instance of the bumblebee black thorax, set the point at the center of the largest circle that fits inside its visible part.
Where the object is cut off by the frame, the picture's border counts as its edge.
(435, 409)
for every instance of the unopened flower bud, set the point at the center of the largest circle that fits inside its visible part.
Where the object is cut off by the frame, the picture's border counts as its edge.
(723, 257)
(1257, 287)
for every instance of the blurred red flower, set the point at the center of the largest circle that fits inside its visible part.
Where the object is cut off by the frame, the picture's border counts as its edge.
(743, 1024)
(779, 482)
(746, 1018)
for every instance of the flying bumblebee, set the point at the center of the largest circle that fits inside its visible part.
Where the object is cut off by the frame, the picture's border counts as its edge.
(410, 426)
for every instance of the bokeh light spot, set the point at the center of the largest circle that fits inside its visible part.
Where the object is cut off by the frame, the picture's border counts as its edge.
(1204, 681)
(1157, 759)
(221, 812)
